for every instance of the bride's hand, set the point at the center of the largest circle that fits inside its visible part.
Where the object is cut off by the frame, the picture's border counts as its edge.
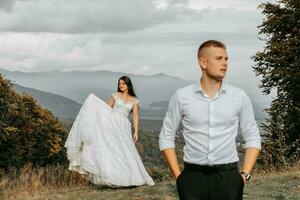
(135, 137)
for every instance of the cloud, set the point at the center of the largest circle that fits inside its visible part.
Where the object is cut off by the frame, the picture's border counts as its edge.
(225, 4)
(44, 52)
(133, 36)
(169, 48)
(6, 5)
(77, 16)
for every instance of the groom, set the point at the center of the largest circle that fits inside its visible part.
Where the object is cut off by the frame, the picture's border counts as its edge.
(211, 112)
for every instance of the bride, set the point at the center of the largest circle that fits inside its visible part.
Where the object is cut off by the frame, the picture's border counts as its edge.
(100, 145)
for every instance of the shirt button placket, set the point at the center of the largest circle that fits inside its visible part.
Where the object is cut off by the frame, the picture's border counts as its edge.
(210, 134)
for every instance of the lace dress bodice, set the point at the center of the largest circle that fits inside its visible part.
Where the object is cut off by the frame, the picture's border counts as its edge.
(123, 107)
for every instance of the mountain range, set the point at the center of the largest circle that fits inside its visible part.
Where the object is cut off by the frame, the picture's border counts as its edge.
(62, 107)
(77, 85)
(69, 90)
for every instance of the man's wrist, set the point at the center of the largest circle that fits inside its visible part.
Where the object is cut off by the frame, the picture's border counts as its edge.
(246, 175)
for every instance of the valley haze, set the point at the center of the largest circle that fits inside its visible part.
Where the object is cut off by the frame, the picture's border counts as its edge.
(153, 91)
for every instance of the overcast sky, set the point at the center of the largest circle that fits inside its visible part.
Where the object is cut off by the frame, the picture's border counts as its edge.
(133, 36)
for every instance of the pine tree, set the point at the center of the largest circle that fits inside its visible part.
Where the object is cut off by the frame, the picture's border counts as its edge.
(279, 66)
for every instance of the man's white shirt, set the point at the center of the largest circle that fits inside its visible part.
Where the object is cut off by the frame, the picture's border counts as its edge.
(210, 125)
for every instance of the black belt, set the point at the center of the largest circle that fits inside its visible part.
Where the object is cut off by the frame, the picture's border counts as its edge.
(210, 168)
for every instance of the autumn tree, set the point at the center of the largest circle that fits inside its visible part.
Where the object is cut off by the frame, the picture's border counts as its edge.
(28, 133)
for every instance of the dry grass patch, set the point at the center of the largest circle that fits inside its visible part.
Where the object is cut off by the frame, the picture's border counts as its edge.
(57, 182)
(29, 180)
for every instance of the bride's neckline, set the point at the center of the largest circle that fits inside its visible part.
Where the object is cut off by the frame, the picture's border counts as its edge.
(125, 102)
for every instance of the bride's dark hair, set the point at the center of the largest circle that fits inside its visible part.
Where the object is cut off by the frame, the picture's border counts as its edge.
(128, 82)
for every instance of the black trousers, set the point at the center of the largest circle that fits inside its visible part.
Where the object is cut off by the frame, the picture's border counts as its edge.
(219, 182)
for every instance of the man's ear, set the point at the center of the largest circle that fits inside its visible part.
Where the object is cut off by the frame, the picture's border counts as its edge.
(202, 62)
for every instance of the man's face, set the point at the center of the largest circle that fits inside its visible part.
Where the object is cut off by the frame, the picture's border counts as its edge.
(214, 62)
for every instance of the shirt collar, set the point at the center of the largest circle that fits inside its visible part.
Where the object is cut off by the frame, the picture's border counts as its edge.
(198, 87)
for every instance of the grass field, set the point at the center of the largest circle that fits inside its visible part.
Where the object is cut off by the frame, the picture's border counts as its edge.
(57, 183)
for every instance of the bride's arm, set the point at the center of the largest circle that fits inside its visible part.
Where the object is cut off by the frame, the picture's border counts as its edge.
(135, 122)
(111, 101)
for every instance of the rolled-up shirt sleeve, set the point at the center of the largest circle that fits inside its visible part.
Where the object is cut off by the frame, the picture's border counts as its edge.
(247, 123)
(170, 124)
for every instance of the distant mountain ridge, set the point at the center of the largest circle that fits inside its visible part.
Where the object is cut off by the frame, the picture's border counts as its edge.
(78, 84)
(153, 91)
(62, 107)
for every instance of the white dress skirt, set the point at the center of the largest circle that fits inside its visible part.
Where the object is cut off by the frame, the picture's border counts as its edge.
(100, 145)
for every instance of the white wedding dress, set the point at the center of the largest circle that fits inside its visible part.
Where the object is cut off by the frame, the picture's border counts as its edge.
(100, 145)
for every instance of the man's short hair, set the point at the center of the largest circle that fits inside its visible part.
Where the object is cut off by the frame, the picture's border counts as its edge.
(210, 43)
